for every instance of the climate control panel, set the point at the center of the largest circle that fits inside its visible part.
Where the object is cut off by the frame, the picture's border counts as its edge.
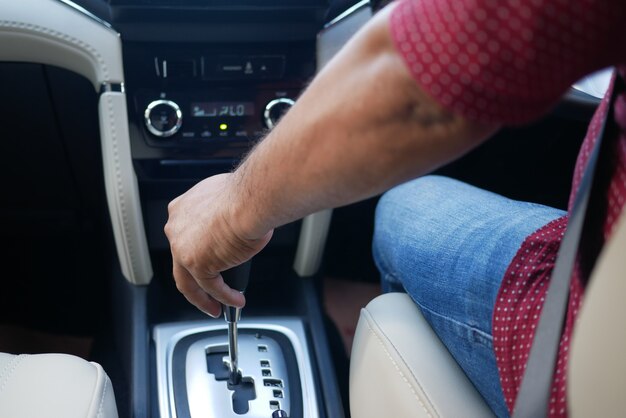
(216, 119)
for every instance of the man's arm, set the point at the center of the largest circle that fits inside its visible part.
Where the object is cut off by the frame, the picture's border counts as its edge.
(361, 127)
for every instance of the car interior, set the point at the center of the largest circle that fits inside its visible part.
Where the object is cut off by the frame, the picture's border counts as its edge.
(111, 109)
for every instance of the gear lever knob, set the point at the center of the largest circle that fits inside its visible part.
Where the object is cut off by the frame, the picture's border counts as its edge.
(238, 277)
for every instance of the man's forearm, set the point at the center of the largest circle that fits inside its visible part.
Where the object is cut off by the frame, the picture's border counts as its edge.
(362, 126)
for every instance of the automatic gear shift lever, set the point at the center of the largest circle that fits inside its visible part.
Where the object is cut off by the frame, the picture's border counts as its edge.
(237, 278)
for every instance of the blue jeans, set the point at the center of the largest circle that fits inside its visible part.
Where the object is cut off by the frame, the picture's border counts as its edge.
(448, 245)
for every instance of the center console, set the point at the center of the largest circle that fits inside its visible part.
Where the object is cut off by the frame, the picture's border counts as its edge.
(204, 81)
(196, 108)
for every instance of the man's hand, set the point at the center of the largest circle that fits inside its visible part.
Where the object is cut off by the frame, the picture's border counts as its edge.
(206, 239)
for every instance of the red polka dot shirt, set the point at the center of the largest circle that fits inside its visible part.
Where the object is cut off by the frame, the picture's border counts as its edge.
(509, 62)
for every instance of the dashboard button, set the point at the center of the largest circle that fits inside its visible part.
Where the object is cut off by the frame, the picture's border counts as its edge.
(268, 66)
(275, 109)
(163, 118)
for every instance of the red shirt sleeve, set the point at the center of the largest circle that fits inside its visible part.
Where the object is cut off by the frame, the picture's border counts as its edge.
(506, 61)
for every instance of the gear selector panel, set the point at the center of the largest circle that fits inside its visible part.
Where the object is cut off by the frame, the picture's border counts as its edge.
(253, 396)
(269, 368)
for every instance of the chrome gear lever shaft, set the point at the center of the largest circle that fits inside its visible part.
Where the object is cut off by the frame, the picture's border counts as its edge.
(232, 316)
(237, 278)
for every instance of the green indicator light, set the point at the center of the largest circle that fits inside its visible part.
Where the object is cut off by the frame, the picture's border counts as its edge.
(223, 126)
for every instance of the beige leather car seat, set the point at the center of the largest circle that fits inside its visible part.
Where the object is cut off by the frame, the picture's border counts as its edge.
(399, 368)
(54, 386)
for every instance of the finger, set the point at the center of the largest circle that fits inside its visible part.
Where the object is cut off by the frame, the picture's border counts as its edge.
(220, 291)
(190, 289)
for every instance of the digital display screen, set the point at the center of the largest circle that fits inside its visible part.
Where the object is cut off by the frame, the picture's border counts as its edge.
(221, 109)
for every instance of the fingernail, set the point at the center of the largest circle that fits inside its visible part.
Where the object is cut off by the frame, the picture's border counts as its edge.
(212, 315)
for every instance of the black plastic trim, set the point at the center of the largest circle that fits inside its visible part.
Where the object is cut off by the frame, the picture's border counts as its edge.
(132, 341)
(330, 388)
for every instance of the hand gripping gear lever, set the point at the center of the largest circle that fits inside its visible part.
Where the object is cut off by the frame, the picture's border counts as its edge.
(237, 278)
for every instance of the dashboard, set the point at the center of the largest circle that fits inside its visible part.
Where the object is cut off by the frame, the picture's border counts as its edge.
(207, 78)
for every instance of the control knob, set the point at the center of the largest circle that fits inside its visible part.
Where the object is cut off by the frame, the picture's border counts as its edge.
(275, 109)
(163, 118)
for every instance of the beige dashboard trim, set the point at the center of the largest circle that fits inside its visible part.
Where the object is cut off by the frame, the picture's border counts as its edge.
(315, 227)
(50, 32)
(122, 190)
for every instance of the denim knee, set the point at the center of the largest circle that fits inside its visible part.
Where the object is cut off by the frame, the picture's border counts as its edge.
(398, 212)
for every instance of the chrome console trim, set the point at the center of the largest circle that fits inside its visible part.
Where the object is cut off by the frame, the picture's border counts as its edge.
(115, 87)
(353, 9)
(87, 13)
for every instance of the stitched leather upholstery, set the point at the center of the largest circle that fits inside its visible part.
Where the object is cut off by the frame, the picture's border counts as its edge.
(399, 368)
(54, 386)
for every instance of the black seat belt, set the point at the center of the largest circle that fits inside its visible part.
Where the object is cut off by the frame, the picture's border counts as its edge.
(533, 397)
